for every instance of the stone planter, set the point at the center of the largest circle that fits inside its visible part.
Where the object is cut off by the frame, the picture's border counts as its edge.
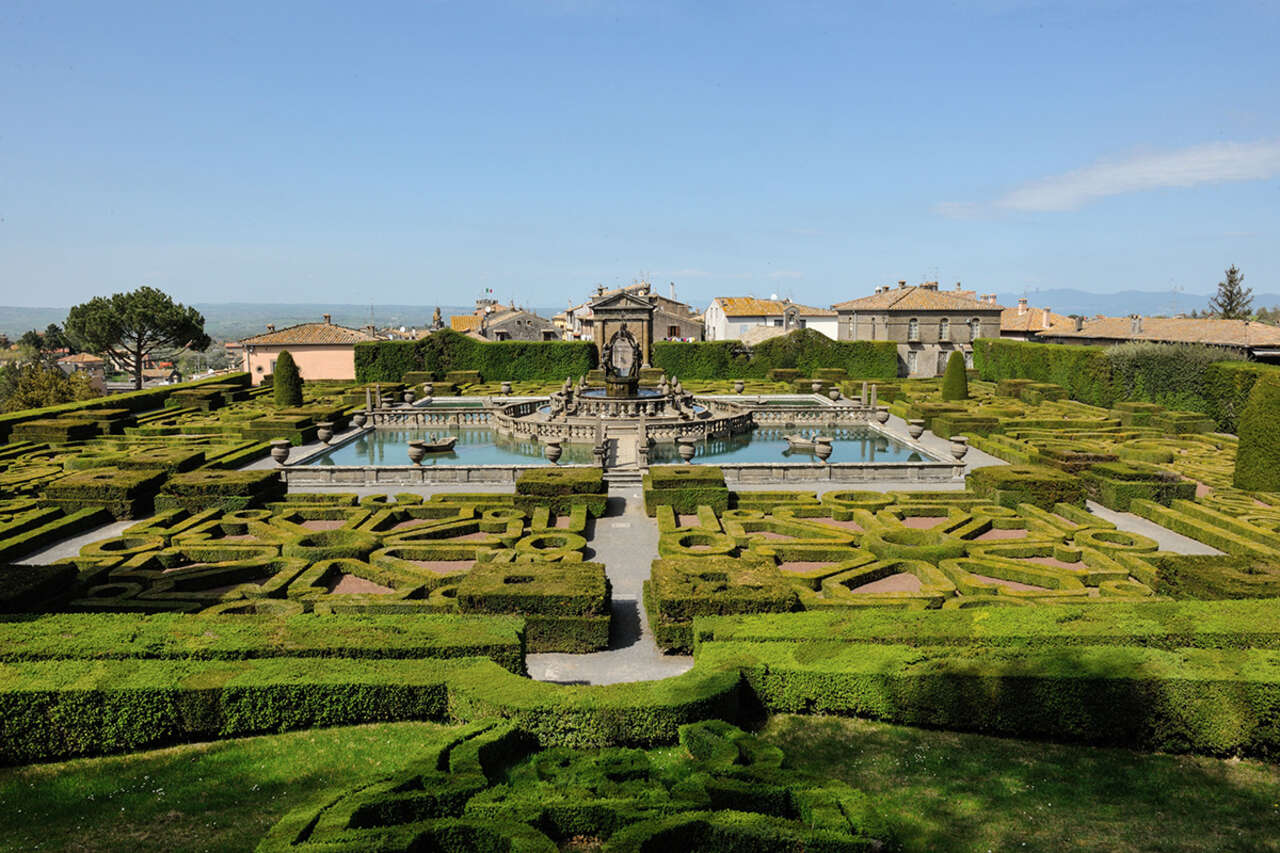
(915, 429)
(685, 447)
(738, 386)
(834, 394)
(280, 450)
(358, 419)
(428, 389)
(959, 446)
(822, 447)
(882, 414)
(409, 396)
(552, 450)
(506, 388)
(816, 387)
(417, 450)
(324, 431)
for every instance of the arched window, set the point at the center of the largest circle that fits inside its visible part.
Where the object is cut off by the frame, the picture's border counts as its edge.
(975, 329)
(913, 329)
(944, 329)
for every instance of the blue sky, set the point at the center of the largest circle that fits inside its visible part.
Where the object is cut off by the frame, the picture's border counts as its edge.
(421, 152)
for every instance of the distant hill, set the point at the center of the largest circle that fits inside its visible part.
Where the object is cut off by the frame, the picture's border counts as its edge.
(235, 320)
(1124, 302)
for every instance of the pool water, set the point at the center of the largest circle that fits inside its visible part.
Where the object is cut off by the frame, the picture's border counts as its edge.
(476, 446)
(850, 444)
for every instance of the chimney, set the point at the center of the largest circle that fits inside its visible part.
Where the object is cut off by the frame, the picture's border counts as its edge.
(929, 285)
(672, 285)
(1022, 305)
(328, 319)
(1135, 324)
(957, 285)
(902, 283)
(271, 327)
(370, 329)
(1079, 323)
(1046, 318)
(990, 299)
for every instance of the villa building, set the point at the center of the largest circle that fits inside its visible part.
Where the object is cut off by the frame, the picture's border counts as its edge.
(1246, 338)
(90, 366)
(1023, 322)
(736, 317)
(493, 322)
(926, 323)
(321, 350)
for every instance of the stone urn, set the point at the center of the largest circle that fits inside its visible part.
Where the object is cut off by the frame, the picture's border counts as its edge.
(822, 447)
(816, 386)
(409, 396)
(915, 429)
(280, 450)
(358, 419)
(834, 394)
(686, 449)
(388, 401)
(506, 388)
(552, 450)
(882, 414)
(417, 450)
(738, 386)
(324, 431)
(428, 390)
(959, 446)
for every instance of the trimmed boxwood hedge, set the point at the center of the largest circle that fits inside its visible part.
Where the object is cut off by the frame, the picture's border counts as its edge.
(447, 351)
(1258, 454)
(804, 351)
(566, 605)
(1116, 485)
(228, 491)
(125, 493)
(114, 636)
(685, 488)
(1010, 485)
(1215, 701)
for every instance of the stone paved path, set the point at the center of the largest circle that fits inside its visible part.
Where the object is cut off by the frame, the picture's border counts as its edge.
(626, 541)
(1168, 540)
(71, 547)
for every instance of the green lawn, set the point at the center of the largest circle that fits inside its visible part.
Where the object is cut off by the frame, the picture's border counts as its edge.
(209, 796)
(945, 791)
(957, 792)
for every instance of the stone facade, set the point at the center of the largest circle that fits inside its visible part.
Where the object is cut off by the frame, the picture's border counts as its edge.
(927, 324)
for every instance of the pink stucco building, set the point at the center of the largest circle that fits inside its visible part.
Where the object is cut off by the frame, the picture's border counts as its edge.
(321, 350)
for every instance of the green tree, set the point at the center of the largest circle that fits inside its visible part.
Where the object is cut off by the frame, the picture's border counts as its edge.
(31, 341)
(1258, 453)
(1233, 299)
(39, 383)
(287, 382)
(955, 383)
(130, 326)
(54, 338)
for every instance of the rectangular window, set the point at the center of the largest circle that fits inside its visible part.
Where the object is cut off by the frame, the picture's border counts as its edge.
(673, 331)
(911, 362)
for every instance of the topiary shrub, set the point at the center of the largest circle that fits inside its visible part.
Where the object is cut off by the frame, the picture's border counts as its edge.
(286, 381)
(1258, 456)
(1010, 485)
(955, 384)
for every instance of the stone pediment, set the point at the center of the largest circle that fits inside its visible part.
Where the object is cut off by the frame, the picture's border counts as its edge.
(621, 301)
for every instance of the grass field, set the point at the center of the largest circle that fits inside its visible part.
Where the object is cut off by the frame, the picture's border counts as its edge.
(209, 796)
(945, 791)
(959, 792)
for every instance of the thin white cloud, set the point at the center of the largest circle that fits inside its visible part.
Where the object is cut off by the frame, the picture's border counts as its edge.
(786, 274)
(1211, 163)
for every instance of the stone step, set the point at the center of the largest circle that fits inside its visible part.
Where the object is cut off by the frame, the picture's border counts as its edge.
(624, 477)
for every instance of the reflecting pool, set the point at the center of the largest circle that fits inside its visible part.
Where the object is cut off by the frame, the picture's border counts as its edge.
(475, 446)
(769, 444)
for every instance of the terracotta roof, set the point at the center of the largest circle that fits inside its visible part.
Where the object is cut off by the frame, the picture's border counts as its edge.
(1028, 319)
(916, 299)
(749, 306)
(1233, 333)
(310, 333)
(464, 322)
(81, 358)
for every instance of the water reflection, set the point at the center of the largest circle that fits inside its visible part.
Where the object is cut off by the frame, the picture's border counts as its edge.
(475, 446)
(769, 444)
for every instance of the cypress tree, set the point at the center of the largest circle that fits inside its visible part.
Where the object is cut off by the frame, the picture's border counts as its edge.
(955, 383)
(287, 382)
(1234, 299)
(1258, 453)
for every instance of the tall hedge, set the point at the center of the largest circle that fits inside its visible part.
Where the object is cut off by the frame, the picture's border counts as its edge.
(446, 351)
(286, 381)
(955, 384)
(1258, 455)
(804, 350)
(1181, 376)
